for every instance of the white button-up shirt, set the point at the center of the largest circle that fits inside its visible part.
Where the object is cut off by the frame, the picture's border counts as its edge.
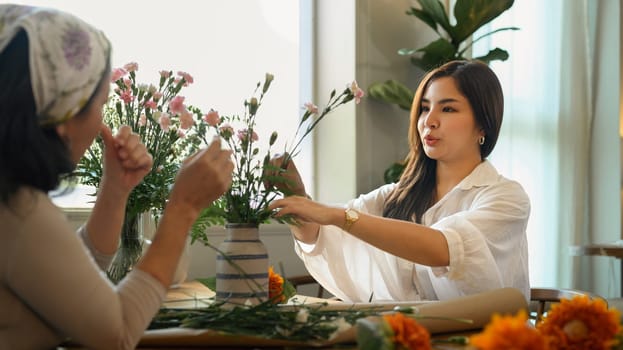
(484, 221)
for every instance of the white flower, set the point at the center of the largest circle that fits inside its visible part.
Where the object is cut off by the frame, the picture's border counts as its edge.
(341, 325)
(302, 315)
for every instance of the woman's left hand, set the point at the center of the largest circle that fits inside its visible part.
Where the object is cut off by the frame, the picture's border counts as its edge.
(126, 159)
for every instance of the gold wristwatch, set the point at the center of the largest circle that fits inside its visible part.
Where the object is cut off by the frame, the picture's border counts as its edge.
(351, 216)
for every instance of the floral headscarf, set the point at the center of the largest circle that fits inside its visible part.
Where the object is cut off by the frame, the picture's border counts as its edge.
(68, 58)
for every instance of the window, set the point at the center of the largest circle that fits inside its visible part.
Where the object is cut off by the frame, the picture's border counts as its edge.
(226, 45)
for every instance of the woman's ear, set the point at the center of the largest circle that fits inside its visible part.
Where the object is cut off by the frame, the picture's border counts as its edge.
(61, 130)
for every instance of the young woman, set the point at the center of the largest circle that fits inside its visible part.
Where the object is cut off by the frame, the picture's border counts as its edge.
(451, 226)
(54, 80)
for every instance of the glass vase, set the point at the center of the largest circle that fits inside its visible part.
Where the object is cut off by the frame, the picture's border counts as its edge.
(242, 266)
(130, 248)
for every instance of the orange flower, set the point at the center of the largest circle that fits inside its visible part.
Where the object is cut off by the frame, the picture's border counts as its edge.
(275, 287)
(509, 332)
(408, 334)
(581, 323)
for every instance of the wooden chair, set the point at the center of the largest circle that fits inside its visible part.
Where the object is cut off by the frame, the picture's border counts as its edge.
(303, 280)
(542, 298)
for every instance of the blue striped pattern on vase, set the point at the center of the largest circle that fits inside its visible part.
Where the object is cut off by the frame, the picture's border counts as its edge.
(242, 274)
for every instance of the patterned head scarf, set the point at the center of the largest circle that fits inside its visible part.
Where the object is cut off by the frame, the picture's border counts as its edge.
(68, 58)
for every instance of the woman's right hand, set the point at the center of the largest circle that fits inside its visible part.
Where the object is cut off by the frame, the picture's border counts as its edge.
(203, 177)
(290, 182)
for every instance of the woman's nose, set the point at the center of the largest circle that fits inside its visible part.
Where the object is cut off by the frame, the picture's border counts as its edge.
(431, 120)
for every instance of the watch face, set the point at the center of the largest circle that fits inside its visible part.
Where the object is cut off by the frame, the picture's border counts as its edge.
(352, 215)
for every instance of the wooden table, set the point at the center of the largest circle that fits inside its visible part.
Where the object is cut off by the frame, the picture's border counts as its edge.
(614, 250)
(477, 308)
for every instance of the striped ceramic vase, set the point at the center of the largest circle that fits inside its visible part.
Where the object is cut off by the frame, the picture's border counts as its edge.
(242, 266)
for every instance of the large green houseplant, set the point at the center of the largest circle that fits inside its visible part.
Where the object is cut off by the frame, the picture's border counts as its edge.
(453, 43)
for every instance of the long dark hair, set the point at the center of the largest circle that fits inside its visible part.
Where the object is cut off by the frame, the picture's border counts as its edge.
(30, 154)
(415, 191)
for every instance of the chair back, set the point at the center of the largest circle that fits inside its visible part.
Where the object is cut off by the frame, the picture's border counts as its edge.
(542, 298)
(303, 280)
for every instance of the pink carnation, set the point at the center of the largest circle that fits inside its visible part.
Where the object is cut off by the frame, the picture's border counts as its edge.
(311, 108)
(157, 95)
(244, 134)
(117, 74)
(151, 104)
(181, 133)
(212, 118)
(177, 105)
(186, 119)
(356, 91)
(165, 73)
(164, 121)
(127, 82)
(142, 120)
(189, 79)
(126, 96)
(131, 67)
(226, 131)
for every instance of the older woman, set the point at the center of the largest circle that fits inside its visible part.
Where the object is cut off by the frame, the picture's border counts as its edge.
(54, 80)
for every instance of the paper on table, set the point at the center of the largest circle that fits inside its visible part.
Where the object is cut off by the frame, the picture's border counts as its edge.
(478, 307)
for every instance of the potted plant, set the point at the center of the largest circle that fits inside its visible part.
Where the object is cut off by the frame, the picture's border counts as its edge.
(453, 43)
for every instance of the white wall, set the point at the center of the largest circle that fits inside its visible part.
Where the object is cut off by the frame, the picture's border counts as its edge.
(360, 39)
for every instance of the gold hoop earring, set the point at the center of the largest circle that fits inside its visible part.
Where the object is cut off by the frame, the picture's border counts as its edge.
(481, 140)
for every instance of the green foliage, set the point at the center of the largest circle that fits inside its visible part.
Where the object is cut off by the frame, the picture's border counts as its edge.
(392, 174)
(452, 44)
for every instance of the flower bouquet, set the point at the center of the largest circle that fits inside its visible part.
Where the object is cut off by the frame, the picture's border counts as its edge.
(247, 200)
(170, 131)
(242, 259)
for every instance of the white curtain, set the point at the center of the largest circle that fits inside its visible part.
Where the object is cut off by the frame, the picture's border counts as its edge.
(547, 136)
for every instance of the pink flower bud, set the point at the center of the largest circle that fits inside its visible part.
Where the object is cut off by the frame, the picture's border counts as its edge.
(117, 74)
(131, 67)
(311, 108)
(187, 77)
(356, 91)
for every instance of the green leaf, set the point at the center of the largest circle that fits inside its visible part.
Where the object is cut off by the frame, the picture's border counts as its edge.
(374, 334)
(406, 52)
(424, 16)
(435, 54)
(437, 12)
(393, 172)
(473, 14)
(393, 92)
(496, 54)
(209, 282)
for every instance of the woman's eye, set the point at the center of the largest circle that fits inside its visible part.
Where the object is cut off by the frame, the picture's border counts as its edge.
(424, 109)
(448, 109)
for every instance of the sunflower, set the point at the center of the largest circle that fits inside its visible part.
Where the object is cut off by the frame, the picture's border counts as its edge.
(275, 287)
(407, 333)
(509, 332)
(581, 323)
